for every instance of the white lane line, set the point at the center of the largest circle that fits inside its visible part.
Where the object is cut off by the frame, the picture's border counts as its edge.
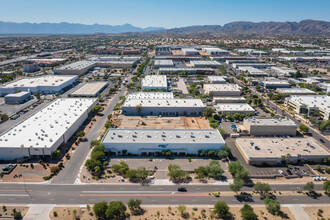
(126, 192)
(10, 195)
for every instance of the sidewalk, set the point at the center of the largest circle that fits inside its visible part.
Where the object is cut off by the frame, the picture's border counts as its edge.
(38, 212)
(299, 212)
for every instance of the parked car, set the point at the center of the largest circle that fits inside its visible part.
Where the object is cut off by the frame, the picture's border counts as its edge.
(280, 171)
(322, 141)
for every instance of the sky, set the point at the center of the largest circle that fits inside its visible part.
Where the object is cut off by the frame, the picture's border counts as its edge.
(162, 13)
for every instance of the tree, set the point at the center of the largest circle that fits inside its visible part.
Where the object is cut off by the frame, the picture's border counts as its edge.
(222, 209)
(134, 205)
(92, 163)
(236, 185)
(138, 109)
(80, 134)
(182, 209)
(115, 210)
(214, 170)
(318, 167)
(247, 213)
(100, 208)
(262, 188)
(56, 154)
(208, 112)
(201, 172)
(97, 155)
(96, 108)
(272, 205)
(17, 215)
(303, 128)
(309, 187)
(237, 170)
(326, 186)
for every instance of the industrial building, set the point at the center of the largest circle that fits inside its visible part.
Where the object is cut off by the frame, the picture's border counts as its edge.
(49, 84)
(163, 63)
(283, 71)
(76, 68)
(163, 107)
(236, 99)
(216, 79)
(204, 64)
(270, 126)
(91, 89)
(150, 95)
(31, 67)
(42, 133)
(17, 98)
(276, 151)
(189, 51)
(48, 62)
(222, 89)
(295, 91)
(310, 104)
(274, 84)
(232, 108)
(153, 141)
(186, 70)
(252, 51)
(254, 65)
(216, 51)
(154, 82)
(252, 71)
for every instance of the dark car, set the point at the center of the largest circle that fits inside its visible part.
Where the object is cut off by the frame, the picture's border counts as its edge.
(322, 141)
(182, 189)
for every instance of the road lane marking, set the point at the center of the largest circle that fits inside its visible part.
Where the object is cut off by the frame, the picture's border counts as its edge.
(15, 190)
(145, 195)
(125, 192)
(9, 195)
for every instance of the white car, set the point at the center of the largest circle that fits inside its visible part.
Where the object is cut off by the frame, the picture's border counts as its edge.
(280, 171)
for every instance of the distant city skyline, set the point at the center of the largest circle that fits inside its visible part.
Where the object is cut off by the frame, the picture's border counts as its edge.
(168, 14)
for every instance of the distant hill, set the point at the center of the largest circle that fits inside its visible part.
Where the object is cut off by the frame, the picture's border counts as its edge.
(304, 27)
(69, 28)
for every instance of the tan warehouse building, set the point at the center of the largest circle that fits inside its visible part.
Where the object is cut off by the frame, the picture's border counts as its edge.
(270, 126)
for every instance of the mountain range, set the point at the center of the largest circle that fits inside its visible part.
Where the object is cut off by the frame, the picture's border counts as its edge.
(304, 27)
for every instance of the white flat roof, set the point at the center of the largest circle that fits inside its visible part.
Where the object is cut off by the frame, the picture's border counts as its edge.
(214, 49)
(150, 95)
(189, 50)
(295, 90)
(154, 81)
(319, 101)
(234, 107)
(79, 65)
(222, 87)
(216, 78)
(91, 88)
(19, 94)
(164, 63)
(205, 62)
(270, 121)
(44, 128)
(229, 98)
(48, 80)
(164, 103)
(183, 136)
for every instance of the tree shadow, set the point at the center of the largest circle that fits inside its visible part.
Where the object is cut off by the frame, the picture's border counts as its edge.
(244, 197)
(313, 195)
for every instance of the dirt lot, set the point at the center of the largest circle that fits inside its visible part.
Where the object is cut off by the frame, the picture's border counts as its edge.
(163, 213)
(6, 213)
(177, 52)
(153, 122)
(312, 212)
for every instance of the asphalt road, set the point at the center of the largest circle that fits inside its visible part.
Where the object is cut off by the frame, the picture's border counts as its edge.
(90, 194)
(69, 173)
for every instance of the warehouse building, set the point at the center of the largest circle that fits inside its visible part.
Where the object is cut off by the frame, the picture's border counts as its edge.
(216, 51)
(163, 107)
(276, 151)
(274, 84)
(310, 105)
(49, 84)
(216, 79)
(222, 89)
(186, 70)
(204, 64)
(236, 99)
(163, 63)
(150, 95)
(48, 62)
(254, 65)
(270, 126)
(189, 51)
(91, 89)
(153, 141)
(31, 67)
(232, 108)
(154, 82)
(295, 91)
(76, 68)
(252, 71)
(42, 133)
(283, 71)
(17, 98)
